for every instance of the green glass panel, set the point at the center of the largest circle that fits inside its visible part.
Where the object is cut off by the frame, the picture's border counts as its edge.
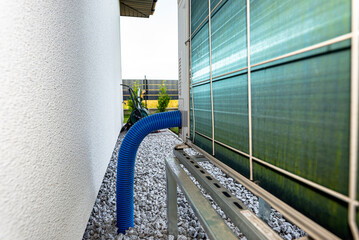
(202, 109)
(199, 11)
(230, 104)
(215, 2)
(234, 160)
(327, 211)
(203, 143)
(229, 37)
(300, 117)
(200, 55)
(280, 27)
(300, 104)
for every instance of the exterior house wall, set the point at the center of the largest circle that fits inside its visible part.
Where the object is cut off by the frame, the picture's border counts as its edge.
(61, 112)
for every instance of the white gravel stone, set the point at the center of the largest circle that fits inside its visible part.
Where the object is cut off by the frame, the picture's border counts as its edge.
(150, 198)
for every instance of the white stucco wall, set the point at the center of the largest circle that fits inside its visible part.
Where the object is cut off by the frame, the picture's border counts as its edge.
(60, 108)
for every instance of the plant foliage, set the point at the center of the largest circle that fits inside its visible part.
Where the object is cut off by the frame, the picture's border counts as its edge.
(135, 86)
(163, 98)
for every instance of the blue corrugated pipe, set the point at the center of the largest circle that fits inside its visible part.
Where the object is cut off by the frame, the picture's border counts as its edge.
(126, 162)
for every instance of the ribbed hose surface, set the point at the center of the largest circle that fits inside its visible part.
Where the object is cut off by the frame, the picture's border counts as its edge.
(126, 162)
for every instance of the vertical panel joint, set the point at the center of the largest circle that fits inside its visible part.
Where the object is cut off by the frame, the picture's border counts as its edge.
(249, 91)
(354, 104)
(210, 70)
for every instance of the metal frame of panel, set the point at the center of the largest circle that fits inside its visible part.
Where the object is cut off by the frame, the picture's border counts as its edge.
(352, 36)
(351, 199)
(354, 105)
(249, 90)
(210, 71)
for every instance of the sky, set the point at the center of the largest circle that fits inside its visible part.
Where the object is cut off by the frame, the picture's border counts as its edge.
(149, 45)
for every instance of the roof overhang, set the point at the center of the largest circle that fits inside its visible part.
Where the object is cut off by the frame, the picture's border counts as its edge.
(137, 8)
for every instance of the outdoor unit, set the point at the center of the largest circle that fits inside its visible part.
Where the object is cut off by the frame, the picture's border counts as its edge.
(183, 66)
(270, 88)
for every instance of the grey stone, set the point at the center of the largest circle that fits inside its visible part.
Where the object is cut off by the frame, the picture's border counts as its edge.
(150, 198)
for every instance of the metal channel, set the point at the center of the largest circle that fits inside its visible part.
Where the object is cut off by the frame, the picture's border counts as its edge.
(251, 226)
(171, 203)
(313, 229)
(211, 221)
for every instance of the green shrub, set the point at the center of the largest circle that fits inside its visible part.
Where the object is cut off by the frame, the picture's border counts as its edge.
(163, 99)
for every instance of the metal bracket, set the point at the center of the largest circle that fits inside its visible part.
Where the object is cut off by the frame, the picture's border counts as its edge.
(181, 146)
(264, 210)
(251, 226)
(211, 221)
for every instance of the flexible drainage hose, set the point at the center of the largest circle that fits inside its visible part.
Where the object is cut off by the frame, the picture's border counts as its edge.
(126, 162)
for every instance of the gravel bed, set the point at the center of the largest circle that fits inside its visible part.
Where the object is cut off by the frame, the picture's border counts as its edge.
(150, 198)
(278, 223)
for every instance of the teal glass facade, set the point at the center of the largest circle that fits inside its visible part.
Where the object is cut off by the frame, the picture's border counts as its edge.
(300, 103)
